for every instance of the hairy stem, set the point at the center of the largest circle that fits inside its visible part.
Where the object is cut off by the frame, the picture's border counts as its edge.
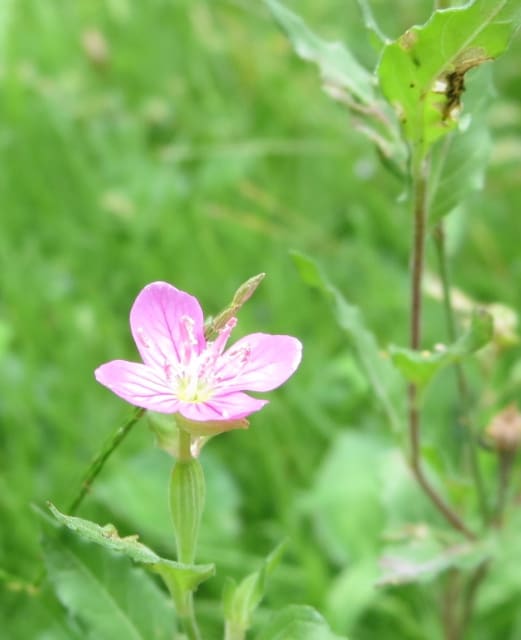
(420, 182)
(101, 458)
(463, 390)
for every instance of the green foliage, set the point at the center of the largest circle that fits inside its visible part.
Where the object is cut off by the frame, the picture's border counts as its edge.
(422, 73)
(421, 366)
(336, 63)
(180, 158)
(347, 81)
(379, 371)
(108, 597)
(241, 600)
(107, 536)
(180, 578)
(297, 623)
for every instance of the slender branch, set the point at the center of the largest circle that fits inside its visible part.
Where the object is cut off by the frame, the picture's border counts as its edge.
(101, 458)
(463, 390)
(479, 574)
(420, 177)
(506, 461)
(450, 602)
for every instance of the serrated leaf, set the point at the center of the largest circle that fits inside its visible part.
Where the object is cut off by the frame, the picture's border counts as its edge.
(422, 73)
(336, 63)
(102, 590)
(107, 536)
(379, 370)
(420, 367)
(241, 600)
(180, 578)
(298, 622)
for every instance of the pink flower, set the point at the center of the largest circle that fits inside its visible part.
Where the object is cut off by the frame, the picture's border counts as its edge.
(183, 373)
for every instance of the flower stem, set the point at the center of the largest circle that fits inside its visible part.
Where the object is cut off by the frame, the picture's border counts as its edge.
(463, 390)
(184, 442)
(232, 632)
(420, 187)
(188, 620)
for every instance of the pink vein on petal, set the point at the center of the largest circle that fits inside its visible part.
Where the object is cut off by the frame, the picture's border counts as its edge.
(232, 406)
(167, 324)
(258, 362)
(138, 384)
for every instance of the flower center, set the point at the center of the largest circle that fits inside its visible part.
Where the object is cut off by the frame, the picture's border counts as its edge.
(195, 378)
(191, 388)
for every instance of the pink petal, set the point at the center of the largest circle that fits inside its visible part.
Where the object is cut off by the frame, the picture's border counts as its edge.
(258, 362)
(232, 406)
(167, 325)
(138, 384)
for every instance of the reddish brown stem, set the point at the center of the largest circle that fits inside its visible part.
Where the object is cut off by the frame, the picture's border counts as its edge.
(418, 258)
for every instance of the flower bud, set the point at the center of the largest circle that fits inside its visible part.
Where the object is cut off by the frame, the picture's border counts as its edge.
(504, 430)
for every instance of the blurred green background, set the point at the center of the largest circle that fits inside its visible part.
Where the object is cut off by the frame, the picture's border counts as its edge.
(183, 141)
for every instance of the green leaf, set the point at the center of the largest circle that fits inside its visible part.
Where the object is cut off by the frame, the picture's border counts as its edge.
(422, 73)
(463, 165)
(107, 536)
(349, 535)
(379, 370)
(297, 622)
(458, 166)
(180, 578)
(240, 601)
(420, 367)
(337, 65)
(105, 593)
(348, 82)
(378, 38)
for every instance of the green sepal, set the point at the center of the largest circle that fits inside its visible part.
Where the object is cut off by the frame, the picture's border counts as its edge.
(419, 367)
(241, 600)
(186, 497)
